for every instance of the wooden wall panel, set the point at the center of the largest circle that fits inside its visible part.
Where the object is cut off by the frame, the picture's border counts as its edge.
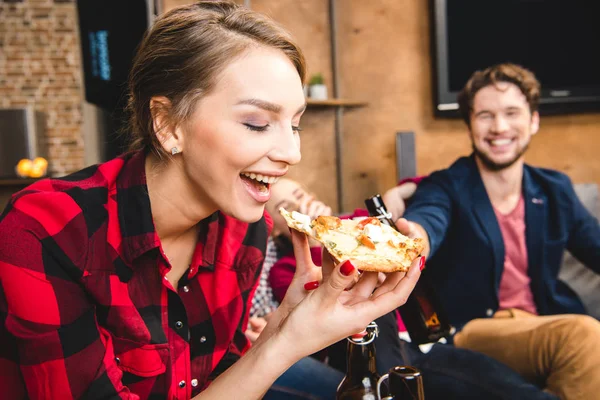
(384, 60)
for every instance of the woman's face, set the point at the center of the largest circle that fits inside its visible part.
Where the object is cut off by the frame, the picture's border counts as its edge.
(243, 136)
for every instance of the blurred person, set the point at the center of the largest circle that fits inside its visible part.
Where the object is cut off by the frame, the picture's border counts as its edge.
(132, 279)
(448, 372)
(496, 229)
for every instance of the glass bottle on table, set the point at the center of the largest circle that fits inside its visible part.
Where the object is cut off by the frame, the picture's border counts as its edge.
(422, 314)
(360, 382)
(404, 383)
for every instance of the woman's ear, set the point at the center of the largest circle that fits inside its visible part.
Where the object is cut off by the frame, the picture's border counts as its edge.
(167, 134)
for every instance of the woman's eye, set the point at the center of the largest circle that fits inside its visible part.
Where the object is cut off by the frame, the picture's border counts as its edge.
(257, 128)
(296, 129)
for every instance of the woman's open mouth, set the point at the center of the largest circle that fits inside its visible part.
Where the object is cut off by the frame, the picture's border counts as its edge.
(259, 186)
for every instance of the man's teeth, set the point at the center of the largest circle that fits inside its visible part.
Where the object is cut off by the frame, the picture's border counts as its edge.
(261, 178)
(500, 142)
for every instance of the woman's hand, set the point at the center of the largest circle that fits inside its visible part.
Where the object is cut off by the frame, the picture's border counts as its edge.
(330, 313)
(255, 328)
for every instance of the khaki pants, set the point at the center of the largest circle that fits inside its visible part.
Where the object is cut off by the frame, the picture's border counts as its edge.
(560, 352)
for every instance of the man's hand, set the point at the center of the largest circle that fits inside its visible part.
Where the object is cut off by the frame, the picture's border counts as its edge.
(413, 230)
(395, 198)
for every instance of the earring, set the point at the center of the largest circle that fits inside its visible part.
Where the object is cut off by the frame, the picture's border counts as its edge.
(174, 151)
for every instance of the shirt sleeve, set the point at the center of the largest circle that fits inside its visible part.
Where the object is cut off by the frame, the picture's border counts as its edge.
(52, 346)
(431, 207)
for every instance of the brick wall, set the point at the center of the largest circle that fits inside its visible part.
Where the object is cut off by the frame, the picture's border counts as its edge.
(40, 67)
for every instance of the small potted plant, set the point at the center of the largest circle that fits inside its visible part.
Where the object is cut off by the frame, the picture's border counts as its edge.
(316, 88)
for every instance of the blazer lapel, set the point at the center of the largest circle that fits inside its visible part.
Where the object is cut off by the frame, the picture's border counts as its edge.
(484, 212)
(535, 230)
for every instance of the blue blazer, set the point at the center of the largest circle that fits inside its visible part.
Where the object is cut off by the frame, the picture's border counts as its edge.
(467, 250)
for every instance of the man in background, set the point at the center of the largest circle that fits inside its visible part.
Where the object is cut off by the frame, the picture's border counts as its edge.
(496, 229)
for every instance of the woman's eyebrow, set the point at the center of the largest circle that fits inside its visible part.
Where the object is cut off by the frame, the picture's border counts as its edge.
(265, 105)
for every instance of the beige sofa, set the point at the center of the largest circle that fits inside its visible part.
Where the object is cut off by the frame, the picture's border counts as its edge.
(585, 282)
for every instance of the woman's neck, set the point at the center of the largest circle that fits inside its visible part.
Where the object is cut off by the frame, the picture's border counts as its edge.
(176, 206)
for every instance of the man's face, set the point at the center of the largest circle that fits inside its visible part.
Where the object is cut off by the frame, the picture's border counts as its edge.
(501, 125)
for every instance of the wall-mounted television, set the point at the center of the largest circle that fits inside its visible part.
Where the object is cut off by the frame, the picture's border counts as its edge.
(559, 40)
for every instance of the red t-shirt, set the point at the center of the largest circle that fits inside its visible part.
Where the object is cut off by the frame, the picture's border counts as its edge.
(515, 290)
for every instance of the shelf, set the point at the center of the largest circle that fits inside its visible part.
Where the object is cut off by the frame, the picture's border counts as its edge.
(17, 181)
(334, 103)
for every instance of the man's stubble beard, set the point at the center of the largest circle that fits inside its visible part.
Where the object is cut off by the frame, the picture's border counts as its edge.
(491, 164)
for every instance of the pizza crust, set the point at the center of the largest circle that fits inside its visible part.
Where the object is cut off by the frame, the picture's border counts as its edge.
(378, 247)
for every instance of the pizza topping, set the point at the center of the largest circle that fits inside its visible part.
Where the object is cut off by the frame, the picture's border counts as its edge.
(369, 221)
(329, 222)
(302, 220)
(364, 239)
(374, 232)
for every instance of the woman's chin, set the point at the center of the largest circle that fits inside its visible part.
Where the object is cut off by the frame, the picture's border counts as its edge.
(247, 214)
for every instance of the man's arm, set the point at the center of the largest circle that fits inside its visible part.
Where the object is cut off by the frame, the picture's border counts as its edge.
(428, 215)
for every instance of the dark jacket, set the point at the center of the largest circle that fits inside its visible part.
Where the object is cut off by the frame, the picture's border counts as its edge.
(467, 250)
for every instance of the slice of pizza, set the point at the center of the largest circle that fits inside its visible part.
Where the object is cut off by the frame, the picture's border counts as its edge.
(371, 245)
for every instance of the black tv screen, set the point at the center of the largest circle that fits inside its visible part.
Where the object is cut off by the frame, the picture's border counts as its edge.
(110, 32)
(556, 39)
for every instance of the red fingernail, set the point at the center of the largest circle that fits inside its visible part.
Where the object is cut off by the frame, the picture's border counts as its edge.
(422, 263)
(347, 268)
(311, 285)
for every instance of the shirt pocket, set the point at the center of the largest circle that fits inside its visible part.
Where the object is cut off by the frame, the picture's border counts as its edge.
(138, 360)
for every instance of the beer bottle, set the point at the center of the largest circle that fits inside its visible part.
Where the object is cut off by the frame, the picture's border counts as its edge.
(422, 313)
(360, 382)
(405, 383)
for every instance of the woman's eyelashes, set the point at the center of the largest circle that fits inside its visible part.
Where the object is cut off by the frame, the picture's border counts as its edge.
(256, 128)
(262, 128)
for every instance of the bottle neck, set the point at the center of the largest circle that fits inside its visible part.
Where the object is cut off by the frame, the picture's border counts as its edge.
(377, 208)
(360, 361)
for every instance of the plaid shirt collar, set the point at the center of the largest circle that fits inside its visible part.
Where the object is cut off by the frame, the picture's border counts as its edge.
(138, 233)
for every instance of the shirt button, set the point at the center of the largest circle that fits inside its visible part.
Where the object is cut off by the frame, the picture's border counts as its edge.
(203, 339)
(178, 324)
(186, 289)
(489, 312)
(194, 382)
(182, 384)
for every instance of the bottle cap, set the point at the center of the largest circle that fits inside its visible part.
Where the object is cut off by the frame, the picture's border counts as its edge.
(359, 335)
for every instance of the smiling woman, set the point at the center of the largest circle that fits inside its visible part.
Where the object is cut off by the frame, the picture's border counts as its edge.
(133, 278)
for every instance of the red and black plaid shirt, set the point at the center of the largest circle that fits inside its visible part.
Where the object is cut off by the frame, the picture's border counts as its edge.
(85, 307)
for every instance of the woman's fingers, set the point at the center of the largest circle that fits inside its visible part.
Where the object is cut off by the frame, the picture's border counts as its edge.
(339, 279)
(390, 282)
(327, 264)
(387, 301)
(365, 285)
(301, 251)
